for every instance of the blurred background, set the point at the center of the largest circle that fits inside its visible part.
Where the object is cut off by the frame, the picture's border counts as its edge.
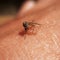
(8, 9)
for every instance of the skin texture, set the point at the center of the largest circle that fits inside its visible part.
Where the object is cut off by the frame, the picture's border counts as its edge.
(44, 45)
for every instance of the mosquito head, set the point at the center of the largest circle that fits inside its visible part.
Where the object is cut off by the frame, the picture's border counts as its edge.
(25, 25)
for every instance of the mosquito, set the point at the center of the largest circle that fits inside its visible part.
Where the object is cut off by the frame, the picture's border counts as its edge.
(30, 27)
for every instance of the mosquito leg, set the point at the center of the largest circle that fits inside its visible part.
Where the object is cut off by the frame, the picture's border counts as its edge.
(25, 34)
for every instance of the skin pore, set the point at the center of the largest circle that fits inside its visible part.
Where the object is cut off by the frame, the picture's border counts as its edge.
(45, 45)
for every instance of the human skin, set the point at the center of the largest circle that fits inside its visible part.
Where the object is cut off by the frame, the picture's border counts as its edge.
(44, 45)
